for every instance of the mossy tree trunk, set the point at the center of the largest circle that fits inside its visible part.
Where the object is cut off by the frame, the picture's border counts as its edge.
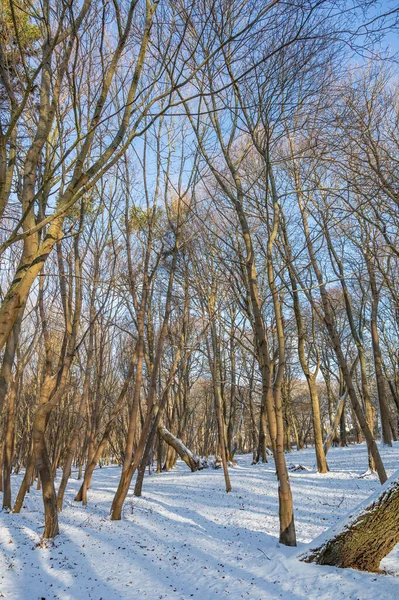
(367, 537)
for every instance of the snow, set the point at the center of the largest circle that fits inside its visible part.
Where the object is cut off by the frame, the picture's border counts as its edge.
(186, 538)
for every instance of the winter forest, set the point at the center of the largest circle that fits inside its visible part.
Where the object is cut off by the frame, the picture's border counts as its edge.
(199, 305)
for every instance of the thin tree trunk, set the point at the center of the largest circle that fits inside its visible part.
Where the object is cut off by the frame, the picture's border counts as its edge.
(126, 476)
(81, 496)
(386, 433)
(338, 412)
(218, 393)
(9, 444)
(26, 482)
(358, 341)
(73, 443)
(43, 465)
(322, 466)
(335, 340)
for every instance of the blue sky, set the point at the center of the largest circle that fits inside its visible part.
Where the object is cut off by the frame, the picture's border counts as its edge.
(392, 37)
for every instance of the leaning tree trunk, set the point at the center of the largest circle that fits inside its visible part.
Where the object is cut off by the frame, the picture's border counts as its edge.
(336, 344)
(191, 460)
(369, 534)
(145, 459)
(24, 488)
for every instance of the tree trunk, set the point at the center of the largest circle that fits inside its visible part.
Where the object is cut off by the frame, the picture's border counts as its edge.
(336, 421)
(386, 434)
(322, 466)
(5, 383)
(369, 534)
(145, 459)
(262, 453)
(42, 463)
(159, 454)
(24, 488)
(218, 395)
(342, 429)
(95, 456)
(9, 445)
(336, 344)
(73, 443)
(127, 474)
(358, 338)
(191, 460)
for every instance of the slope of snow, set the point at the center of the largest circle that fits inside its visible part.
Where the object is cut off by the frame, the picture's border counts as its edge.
(186, 538)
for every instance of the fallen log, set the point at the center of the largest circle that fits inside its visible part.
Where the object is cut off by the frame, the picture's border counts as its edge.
(366, 536)
(192, 461)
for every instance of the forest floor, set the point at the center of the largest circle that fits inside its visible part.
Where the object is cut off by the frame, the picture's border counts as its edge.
(185, 538)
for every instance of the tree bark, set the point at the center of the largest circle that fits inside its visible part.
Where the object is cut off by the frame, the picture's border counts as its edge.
(191, 460)
(218, 394)
(369, 534)
(9, 444)
(24, 488)
(386, 434)
(42, 463)
(339, 410)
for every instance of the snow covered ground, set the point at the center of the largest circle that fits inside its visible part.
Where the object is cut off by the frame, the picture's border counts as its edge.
(186, 538)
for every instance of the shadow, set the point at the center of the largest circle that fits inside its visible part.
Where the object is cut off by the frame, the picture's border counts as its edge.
(186, 538)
